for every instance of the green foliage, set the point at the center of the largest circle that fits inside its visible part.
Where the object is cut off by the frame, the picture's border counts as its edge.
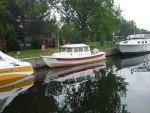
(11, 38)
(13, 44)
(5, 17)
(89, 17)
(102, 41)
(70, 34)
(80, 21)
(36, 42)
(126, 28)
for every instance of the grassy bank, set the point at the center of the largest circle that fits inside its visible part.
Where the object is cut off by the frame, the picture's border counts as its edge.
(31, 53)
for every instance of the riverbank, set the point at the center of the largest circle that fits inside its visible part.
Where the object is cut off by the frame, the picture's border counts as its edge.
(37, 62)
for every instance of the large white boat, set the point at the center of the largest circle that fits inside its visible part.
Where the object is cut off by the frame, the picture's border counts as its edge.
(73, 54)
(74, 74)
(11, 65)
(135, 44)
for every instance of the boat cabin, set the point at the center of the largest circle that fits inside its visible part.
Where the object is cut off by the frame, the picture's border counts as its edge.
(74, 50)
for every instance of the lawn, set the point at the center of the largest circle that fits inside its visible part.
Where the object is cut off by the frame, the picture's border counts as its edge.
(31, 53)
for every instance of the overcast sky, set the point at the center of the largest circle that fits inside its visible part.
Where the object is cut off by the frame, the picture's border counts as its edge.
(136, 10)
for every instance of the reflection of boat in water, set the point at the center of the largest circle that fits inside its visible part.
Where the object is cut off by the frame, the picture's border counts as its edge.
(9, 89)
(136, 63)
(9, 64)
(74, 74)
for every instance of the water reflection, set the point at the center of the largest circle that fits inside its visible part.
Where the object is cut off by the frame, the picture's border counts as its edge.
(74, 74)
(135, 63)
(136, 71)
(86, 89)
(12, 84)
(90, 88)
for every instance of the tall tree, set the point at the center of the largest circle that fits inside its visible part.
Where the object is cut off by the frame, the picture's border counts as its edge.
(89, 16)
(5, 16)
(127, 27)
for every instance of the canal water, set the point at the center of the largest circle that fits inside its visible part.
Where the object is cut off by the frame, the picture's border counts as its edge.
(117, 85)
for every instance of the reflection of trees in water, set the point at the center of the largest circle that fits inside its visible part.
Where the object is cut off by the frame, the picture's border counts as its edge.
(101, 94)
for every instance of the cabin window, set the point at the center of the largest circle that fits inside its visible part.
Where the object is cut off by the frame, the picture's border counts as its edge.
(86, 49)
(76, 49)
(69, 50)
(147, 35)
(142, 41)
(138, 42)
(145, 41)
(63, 49)
(81, 49)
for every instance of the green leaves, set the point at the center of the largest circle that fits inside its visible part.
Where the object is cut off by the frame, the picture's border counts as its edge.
(89, 16)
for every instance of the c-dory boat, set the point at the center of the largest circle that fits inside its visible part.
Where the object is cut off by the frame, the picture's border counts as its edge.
(11, 65)
(73, 54)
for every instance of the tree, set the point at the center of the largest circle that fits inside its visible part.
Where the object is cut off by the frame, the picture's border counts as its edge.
(7, 31)
(127, 27)
(89, 16)
(4, 20)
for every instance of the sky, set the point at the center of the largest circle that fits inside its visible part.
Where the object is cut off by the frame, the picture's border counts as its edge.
(136, 10)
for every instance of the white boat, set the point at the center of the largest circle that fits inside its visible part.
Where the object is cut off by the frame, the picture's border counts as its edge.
(73, 54)
(74, 74)
(135, 44)
(10, 88)
(11, 65)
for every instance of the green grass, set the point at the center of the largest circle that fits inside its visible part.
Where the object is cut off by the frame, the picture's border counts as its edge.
(30, 53)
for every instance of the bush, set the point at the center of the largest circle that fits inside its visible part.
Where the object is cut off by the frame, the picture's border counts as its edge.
(13, 44)
(36, 42)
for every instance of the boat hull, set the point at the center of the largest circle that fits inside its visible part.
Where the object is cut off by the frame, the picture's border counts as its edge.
(9, 64)
(133, 48)
(18, 67)
(60, 62)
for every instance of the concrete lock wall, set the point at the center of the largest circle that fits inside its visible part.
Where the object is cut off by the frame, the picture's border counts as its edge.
(38, 62)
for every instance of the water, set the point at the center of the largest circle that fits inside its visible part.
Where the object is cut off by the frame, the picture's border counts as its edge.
(118, 85)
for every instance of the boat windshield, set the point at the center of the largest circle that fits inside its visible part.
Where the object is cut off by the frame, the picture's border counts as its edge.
(69, 50)
(63, 49)
(78, 49)
(86, 49)
(147, 35)
(1, 59)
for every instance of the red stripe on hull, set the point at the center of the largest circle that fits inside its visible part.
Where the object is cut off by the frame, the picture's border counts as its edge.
(83, 58)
